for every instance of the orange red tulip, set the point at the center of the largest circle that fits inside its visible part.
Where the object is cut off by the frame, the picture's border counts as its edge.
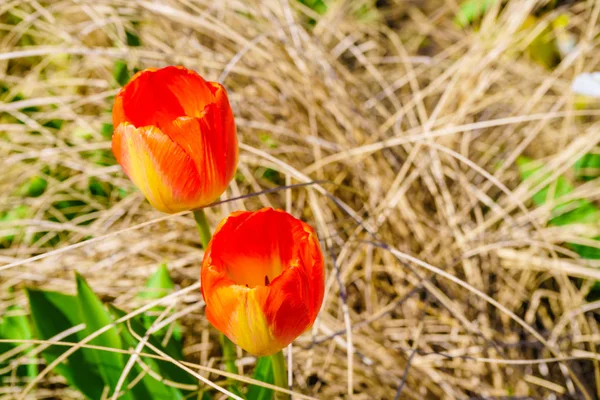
(175, 137)
(263, 279)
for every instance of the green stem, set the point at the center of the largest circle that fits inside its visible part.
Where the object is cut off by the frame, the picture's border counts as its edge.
(229, 353)
(203, 227)
(279, 373)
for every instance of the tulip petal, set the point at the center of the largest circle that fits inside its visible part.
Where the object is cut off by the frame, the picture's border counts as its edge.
(226, 122)
(208, 147)
(312, 260)
(286, 309)
(160, 168)
(251, 257)
(238, 313)
(157, 97)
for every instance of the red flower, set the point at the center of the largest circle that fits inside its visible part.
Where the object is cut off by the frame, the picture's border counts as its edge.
(263, 279)
(175, 137)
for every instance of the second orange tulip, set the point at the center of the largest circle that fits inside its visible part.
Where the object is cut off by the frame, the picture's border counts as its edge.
(263, 279)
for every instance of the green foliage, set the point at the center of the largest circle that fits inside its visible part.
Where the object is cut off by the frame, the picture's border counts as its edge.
(71, 208)
(54, 123)
(158, 286)
(100, 157)
(163, 369)
(34, 187)
(95, 317)
(589, 252)
(96, 372)
(318, 6)
(471, 11)
(588, 167)
(15, 214)
(107, 130)
(271, 175)
(99, 188)
(14, 325)
(121, 72)
(264, 373)
(54, 313)
(229, 356)
(133, 40)
(578, 211)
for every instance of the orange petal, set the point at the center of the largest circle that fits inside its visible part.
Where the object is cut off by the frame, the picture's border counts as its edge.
(209, 148)
(236, 310)
(118, 112)
(287, 306)
(158, 167)
(238, 313)
(224, 123)
(313, 265)
(255, 247)
(157, 97)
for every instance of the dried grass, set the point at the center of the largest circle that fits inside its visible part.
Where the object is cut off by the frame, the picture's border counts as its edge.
(444, 280)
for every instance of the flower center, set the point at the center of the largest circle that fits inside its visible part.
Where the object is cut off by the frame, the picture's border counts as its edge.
(253, 272)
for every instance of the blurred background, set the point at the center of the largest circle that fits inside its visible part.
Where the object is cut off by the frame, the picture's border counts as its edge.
(450, 170)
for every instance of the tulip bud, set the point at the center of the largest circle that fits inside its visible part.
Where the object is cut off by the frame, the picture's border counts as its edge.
(263, 279)
(175, 137)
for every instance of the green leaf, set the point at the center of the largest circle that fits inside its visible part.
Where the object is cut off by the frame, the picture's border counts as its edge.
(52, 314)
(154, 388)
(589, 252)
(264, 373)
(529, 169)
(158, 389)
(588, 167)
(319, 6)
(34, 187)
(561, 188)
(107, 130)
(98, 188)
(95, 317)
(17, 213)
(471, 11)
(15, 325)
(229, 357)
(159, 285)
(121, 72)
(572, 212)
(133, 40)
(577, 211)
(165, 369)
(54, 123)
(271, 175)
